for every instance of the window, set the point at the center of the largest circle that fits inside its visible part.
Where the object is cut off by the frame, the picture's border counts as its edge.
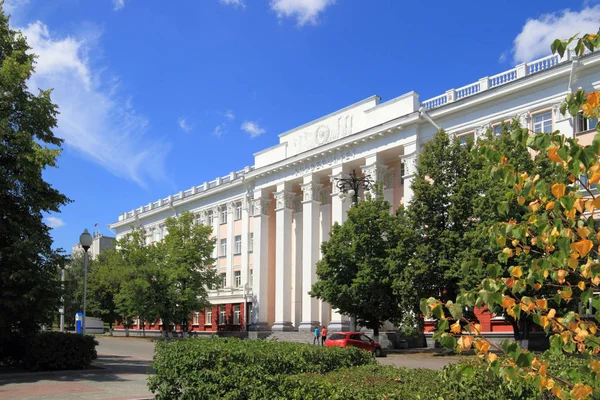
(583, 124)
(248, 311)
(223, 248)
(223, 277)
(208, 316)
(355, 336)
(588, 311)
(236, 315)
(156, 235)
(196, 320)
(237, 278)
(497, 129)
(224, 215)
(210, 218)
(222, 314)
(464, 137)
(251, 242)
(238, 244)
(365, 339)
(238, 211)
(251, 279)
(542, 122)
(584, 182)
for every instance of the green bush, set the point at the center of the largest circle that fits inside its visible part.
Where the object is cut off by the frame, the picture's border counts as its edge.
(51, 351)
(239, 369)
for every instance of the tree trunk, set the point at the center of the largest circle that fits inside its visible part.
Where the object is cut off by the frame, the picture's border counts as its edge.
(110, 329)
(376, 333)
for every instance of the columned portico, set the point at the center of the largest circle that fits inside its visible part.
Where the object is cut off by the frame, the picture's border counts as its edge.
(297, 287)
(260, 298)
(283, 257)
(311, 191)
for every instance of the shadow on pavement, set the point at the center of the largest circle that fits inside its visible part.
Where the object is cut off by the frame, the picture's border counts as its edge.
(107, 368)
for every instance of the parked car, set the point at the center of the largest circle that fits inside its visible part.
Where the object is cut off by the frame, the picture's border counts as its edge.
(354, 339)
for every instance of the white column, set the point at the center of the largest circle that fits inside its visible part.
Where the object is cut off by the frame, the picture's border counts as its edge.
(325, 222)
(216, 215)
(310, 251)
(260, 296)
(339, 209)
(245, 236)
(409, 162)
(297, 278)
(379, 172)
(283, 258)
(230, 243)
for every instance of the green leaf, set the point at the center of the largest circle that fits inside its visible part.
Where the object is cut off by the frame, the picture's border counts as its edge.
(524, 359)
(448, 341)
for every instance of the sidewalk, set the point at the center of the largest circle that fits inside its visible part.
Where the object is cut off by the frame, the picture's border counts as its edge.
(113, 378)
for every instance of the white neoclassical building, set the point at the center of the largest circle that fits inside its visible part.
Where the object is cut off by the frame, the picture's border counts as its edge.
(270, 218)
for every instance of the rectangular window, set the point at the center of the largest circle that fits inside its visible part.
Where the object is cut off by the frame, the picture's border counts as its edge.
(238, 211)
(582, 124)
(583, 186)
(497, 129)
(222, 319)
(251, 276)
(196, 320)
(542, 122)
(464, 137)
(224, 215)
(208, 316)
(223, 248)
(237, 278)
(251, 242)
(238, 244)
(223, 277)
(210, 218)
(236, 315)
(588, 310)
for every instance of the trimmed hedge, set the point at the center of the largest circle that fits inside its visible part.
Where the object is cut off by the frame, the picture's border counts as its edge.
(240, 369)
(50, 351)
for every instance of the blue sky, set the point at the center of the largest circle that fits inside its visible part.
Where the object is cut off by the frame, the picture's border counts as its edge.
(158, 96)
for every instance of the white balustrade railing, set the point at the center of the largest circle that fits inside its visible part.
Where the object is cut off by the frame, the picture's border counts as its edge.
(187, 193)
(500, 79)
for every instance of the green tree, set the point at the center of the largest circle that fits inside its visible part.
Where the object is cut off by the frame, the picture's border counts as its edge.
(73, 287)
(104, 282)
(354, 273)
(186, 261)
(29, 284)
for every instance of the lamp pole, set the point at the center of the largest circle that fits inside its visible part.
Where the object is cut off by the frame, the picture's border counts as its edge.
(350, 187)
(86, 242)
(62, 298)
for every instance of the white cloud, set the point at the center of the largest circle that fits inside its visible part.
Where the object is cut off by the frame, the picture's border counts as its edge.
(229, 115)
(234, 3)
(94, 119)
(54, 222)
(184, 125)
(219, 130)
(10, 6)
(118, 4)
(252, 128)
(305, 11)
(538, 34)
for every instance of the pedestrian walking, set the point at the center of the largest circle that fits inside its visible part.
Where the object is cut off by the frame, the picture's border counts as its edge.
(323, 336)
(317, 334)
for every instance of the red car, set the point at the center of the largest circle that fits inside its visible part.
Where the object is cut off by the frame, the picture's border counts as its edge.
(354, 339)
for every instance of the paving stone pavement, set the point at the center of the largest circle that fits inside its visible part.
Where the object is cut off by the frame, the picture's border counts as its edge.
(114, 377)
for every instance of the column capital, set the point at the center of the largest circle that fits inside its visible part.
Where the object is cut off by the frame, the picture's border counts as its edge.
(410, 163)
(335, 190)
(311, 191)
(202, 217)
(284, 199)
(230, 207)
(216, 210)
(260, 206)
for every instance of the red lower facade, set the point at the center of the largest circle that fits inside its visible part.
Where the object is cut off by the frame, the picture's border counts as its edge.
(487, 320)
(231, 317)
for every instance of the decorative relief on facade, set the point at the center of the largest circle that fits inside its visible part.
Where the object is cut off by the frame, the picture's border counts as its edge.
(325, 162)
(525, 119)
(311, 191)
(557, 115)
(410, 164)
(333, 179)
(230, 207)
(481, 131)
(324, 133)
(260, 207)
(325, 195)
(202, 217)
(284, 199)
(216, 213)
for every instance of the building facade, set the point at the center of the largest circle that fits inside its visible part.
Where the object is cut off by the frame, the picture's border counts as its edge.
(270, 218)
(100, 243)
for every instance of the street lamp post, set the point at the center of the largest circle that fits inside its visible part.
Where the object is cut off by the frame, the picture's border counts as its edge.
(86, 242)
(350, 187)
(62, 298)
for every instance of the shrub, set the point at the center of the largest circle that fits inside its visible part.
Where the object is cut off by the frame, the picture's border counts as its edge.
(51, 351)
(236, 369)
